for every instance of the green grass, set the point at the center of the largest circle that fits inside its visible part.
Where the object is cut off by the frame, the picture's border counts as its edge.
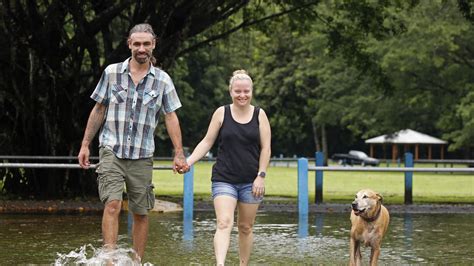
(281, 185)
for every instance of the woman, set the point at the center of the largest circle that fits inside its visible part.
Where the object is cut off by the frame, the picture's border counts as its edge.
(238, 176)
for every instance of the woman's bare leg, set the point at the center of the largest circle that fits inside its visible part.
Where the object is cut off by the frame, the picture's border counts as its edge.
(224, 207)
(246, 220)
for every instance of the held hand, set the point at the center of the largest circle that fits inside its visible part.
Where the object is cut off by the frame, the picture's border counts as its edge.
(179, 164)
(83, 157)
(258, 188)
(183, 169)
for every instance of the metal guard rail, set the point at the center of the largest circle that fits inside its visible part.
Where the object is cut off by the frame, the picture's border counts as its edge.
(62, 166)
(188, 190)
(390, 169)
(319, 169)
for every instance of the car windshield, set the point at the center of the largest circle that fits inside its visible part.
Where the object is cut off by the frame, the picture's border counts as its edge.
(358, 154)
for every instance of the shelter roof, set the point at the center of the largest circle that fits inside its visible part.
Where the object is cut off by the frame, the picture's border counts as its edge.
(406, 136)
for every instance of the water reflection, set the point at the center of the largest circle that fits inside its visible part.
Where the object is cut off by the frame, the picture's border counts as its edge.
(280, 238)
(302, 225)
(319, 224)
(408, 231)
(188, 232)
(130, 223)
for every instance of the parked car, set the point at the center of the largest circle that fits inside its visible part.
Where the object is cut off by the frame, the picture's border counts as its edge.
(354, 157)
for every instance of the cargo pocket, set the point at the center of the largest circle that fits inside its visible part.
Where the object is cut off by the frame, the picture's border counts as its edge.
(101, 183)
(150, 195)
(103, 167)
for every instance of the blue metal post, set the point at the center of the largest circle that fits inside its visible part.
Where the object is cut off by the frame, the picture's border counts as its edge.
(408, 179)
(188, 191)
(319, 178)
(303, 186)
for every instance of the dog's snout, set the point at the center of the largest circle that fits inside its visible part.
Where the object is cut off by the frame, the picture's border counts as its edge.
(354, 205)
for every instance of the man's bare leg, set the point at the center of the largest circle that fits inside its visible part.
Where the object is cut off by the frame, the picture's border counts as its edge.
(140, 233)
(110, 223)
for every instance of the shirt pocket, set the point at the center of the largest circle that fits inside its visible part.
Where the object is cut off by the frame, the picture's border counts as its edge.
(119, 94)
(152, 99)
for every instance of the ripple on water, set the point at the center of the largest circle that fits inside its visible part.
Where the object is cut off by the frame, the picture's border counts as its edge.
(280, 239)
(90, 255)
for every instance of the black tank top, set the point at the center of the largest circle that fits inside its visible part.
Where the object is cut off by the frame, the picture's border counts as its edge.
(239, 150)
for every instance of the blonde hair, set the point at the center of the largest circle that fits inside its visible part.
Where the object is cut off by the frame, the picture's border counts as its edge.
(240, 74)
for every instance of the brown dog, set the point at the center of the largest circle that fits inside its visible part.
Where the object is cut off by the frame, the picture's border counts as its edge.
(370, 221)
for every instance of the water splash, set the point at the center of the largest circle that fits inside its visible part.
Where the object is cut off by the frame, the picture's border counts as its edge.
(89, 255)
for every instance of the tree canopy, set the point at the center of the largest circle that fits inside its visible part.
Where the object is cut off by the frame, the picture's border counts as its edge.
(54, 53)
(328, 73)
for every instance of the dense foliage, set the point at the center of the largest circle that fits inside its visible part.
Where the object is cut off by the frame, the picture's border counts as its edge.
(351, 70)
(53, 53)
(328, 73)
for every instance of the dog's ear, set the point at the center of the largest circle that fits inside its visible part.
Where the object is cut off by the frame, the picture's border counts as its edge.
(379, 196)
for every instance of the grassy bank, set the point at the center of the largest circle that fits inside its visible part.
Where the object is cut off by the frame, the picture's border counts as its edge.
(281, 184)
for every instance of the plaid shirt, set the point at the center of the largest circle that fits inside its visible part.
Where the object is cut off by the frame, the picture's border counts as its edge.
(133, 111)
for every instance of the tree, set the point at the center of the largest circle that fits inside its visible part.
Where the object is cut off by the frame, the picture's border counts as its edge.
(54, 54)
(409, 66)
(431, 69)
(310, 80)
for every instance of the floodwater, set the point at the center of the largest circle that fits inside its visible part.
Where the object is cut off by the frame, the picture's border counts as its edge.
(280, 238)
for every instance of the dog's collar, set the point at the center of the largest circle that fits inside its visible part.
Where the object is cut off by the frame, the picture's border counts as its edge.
(371, 219)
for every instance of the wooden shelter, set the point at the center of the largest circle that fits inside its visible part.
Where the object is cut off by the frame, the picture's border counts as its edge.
(409, 139)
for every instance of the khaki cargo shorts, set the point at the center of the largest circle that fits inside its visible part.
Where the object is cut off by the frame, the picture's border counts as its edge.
(113, 172)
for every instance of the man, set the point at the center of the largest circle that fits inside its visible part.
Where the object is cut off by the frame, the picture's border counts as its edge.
(129, 98)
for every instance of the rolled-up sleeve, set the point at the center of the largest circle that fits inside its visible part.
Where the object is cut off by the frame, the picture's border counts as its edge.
(171, 100)
(100, 93)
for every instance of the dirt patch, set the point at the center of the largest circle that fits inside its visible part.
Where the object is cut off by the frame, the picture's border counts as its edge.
(80, 206)
(50, 206)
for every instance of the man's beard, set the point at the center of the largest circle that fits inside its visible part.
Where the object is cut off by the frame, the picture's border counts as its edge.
(142, 60)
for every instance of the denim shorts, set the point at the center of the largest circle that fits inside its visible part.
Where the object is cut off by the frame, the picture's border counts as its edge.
(241, 192)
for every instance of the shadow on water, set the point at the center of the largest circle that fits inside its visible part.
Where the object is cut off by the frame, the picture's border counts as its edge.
(280, 238)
